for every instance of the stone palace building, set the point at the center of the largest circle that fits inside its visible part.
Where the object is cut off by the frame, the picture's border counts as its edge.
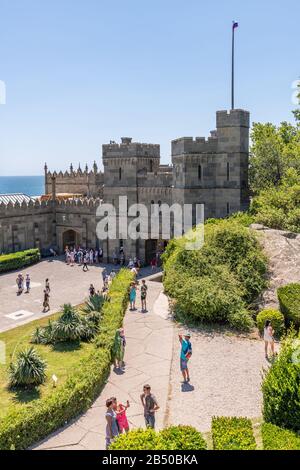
(213, 172)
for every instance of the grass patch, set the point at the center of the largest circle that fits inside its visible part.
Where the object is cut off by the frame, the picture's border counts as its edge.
(61, 361)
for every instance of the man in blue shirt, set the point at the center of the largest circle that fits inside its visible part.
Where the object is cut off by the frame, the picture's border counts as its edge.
(185, 355)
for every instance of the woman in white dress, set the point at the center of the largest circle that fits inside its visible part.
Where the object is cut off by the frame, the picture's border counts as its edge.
(269, 338)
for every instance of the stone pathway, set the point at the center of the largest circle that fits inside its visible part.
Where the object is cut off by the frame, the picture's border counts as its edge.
(148, 360)
(225, 380)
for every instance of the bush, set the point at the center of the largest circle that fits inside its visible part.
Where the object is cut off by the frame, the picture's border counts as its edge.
(27, 424)
(28, 370)
(275, 438)
(216, 283)
(173, 438)
(182, 438)
(289, 301)
(275, 317)
(232, 434)
(19, 260)
(281, 386)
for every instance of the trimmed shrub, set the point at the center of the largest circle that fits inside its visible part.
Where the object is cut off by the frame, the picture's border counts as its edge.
(19, 260)
(28, 370)
(275, 317)
(289, 300)
(182, 438)
(216, 283)
(173, 438)
(232, 434)
(281, 386)
(275, 438)
(27, 424)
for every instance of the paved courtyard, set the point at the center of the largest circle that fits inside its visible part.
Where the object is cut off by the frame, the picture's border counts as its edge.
(68, 285)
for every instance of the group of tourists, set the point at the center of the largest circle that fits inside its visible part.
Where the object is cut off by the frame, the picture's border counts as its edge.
(133, 293)
(83, 257)
(116, 419)
(21, 282)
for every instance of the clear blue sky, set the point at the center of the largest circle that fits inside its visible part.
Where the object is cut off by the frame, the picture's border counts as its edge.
(80, 73)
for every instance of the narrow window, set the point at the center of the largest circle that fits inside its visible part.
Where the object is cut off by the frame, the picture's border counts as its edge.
(151, 166)
(228, 171)
(228, 208)
(200, 172)
(120, 174)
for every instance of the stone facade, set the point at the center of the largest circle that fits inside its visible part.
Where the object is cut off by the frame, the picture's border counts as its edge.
(212, 171)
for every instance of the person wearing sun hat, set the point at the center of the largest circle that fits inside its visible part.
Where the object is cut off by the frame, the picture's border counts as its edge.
(185, 355)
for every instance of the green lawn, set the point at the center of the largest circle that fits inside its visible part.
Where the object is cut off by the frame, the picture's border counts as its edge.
(61, 359)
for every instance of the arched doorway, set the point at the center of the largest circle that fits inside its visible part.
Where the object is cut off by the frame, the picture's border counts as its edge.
(69, 239)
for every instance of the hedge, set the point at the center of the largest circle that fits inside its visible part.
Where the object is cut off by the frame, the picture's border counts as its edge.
(275, 438)
(218, 282)
(232, 434)
(276, 318)
(26, 424)
(289, 301)
(19, 260)
(173, 438)
(281, 386)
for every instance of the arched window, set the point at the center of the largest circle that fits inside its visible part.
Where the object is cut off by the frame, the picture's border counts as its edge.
(151, 166)
(120, 174)
(200, 172)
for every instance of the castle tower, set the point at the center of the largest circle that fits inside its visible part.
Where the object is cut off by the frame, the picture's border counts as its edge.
(123, 163)
(214, 172)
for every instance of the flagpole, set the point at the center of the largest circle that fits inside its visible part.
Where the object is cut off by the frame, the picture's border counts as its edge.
(232, 70)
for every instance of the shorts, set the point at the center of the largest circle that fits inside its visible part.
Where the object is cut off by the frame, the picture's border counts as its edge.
(150, 421)
(183, 364)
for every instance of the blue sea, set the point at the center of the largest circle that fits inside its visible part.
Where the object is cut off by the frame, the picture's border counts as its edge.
(30, 185)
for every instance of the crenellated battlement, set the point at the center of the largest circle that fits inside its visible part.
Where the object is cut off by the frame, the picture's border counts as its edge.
(38, 206)
(189, 145)
(233, 118)
(129, 149)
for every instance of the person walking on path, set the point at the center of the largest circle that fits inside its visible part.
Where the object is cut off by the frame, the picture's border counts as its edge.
(150, 405)
(92, 290)
(20, 283)
(46, 303)
(132, 296)
(269, 338)
(112, 428)
(47, 286)
(27, 282)
(119, 348)
(185, 355)
(144, 289)
(85, 263)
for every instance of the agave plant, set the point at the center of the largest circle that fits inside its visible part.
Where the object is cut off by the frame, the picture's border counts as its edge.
(28, 370)
(94, 304)
(69, 326)
(43, 335)
(89, 327)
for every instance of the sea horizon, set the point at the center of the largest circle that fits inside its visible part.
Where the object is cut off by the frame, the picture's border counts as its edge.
(31, 185)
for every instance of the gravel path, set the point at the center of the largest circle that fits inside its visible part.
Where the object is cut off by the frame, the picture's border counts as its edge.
(225, 380)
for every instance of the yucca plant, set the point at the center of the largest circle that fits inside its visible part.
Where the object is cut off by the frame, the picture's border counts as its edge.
(69, 326)
(89, 327)
(28, 370)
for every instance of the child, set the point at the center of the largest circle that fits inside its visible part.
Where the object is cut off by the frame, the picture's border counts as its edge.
(185, 355)
(132, 296)
(27, 281)
(122, 418)
(144, 289)
(119, 348)
(269, 338)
